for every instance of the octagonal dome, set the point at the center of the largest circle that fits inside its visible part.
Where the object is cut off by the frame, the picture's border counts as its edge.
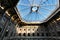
(36, 11)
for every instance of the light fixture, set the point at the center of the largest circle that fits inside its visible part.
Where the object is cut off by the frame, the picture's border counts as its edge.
(36, 11)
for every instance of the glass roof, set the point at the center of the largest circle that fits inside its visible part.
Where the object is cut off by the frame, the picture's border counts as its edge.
(36, 10)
